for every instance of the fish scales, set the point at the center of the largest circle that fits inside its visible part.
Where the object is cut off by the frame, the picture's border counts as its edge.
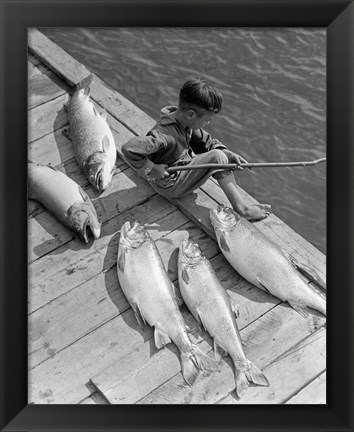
(215, 310)
(93, 141)
(262, 262)
(150, 292)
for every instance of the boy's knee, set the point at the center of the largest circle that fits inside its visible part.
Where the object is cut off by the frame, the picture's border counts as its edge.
(218, 156)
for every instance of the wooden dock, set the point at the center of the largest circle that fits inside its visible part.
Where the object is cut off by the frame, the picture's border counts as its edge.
(85, 346)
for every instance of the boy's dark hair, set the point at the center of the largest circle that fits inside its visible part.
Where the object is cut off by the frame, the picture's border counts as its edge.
(199, 93)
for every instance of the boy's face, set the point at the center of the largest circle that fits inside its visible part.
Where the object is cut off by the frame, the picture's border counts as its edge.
(200, 121)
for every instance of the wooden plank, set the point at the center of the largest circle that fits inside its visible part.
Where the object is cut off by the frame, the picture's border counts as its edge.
(314, 393)
(47, 118)
(73, 72)
(99, 299)
(64, 268)
(55, 58)
(265, 339)
(289, 373)
(43, 85)
(119, 344)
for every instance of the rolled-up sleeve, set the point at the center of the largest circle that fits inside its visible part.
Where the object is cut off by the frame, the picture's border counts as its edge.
(201, 142)
(137, 150)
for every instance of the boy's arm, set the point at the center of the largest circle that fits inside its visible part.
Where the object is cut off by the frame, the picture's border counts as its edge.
(202, 142)
(138, 149)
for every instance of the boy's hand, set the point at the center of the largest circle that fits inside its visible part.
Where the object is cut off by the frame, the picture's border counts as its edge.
(158, 172)
(235, 158)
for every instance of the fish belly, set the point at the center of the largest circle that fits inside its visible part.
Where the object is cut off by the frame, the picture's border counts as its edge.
(146, 284)
(56, 191)
(211, 305)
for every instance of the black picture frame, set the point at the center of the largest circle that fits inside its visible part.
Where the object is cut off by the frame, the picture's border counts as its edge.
(337, 17)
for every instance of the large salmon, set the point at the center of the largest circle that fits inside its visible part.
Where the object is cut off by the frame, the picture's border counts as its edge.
(214, 309)
(64, 198)
(92, 138)
(262, 262)
(150, 292)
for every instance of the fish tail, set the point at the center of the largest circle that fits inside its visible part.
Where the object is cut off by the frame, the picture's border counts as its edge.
(254, 375)
(241, 382)
(194, 361)
(83, 84)
(245, 376)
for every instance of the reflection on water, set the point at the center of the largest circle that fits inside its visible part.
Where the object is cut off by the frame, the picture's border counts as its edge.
(273, 82)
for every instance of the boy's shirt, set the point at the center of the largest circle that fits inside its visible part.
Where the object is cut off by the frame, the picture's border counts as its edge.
(168, 143)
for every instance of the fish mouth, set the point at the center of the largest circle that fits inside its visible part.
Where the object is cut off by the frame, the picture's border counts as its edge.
(190, 252)
(89, 227)
(224, 217)
(82, 218)
(133, 235)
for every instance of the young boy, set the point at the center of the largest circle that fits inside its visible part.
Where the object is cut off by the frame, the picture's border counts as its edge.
(178, 138)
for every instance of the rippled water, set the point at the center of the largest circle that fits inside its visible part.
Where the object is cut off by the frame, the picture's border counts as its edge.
(274, 87)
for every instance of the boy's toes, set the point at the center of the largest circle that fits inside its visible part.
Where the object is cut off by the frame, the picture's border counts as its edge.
(259, 213)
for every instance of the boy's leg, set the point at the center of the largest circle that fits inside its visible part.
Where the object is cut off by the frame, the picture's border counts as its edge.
(254, 212)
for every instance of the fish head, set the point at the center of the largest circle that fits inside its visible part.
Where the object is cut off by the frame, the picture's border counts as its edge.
(133, 235)
(190, 252)
(99, 170)
(82, 218)
(224, 218)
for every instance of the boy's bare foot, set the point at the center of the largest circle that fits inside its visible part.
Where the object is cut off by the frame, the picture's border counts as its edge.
(256, 212)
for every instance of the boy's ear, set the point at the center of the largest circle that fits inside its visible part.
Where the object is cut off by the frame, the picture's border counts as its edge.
(190, 114)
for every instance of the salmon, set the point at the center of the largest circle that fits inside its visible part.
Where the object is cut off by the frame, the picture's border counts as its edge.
(263, 263)
(92, 138)
(216, 312)
(151, 294)
(64, 198)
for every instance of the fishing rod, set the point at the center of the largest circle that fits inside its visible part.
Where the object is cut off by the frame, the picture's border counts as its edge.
(244, 165)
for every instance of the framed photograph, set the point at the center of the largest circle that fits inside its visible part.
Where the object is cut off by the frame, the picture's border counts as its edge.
(71, 336)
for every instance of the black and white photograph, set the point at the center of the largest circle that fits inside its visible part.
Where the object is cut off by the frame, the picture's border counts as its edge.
(177, 215)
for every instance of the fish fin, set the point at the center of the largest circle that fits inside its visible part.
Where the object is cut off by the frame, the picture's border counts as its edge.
(84, 84)
(193, 361)
(219, 352)
(51, 167)
(304, 311)
(66, 133)
(250, 374)
(138, 315)
(66, 106)
(200, 320)
(161, 338)
(121, 260)
(241, 382)
(105, 144)
(104, 114)
(84, 195)
(177, 295)
(308, 271)
(95, 111)
(234, 307)
(185, 276)
(223, 243)
(263, 286)
(254, 375)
